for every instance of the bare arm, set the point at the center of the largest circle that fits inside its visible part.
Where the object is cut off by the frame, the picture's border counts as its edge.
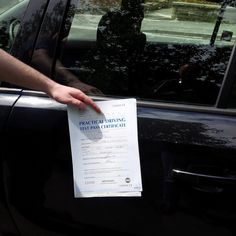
(16, 72)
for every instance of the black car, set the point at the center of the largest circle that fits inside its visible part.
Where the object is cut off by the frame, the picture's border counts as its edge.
(178, 60)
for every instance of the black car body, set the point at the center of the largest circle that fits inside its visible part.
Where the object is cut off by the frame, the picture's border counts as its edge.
(187, 135)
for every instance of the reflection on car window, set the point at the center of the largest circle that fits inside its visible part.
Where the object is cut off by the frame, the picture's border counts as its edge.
(12, 12)
(44, 54)
(7, 4)
(170, 50)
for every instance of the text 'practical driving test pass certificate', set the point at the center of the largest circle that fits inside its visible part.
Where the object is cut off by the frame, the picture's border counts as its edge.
(105, 154)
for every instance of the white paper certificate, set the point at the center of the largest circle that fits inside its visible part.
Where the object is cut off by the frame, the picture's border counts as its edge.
(104, 147)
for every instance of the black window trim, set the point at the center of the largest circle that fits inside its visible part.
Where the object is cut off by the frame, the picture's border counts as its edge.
(228, 81)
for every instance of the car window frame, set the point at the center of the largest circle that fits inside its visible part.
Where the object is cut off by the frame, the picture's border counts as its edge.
(228, 81)
(223, 96)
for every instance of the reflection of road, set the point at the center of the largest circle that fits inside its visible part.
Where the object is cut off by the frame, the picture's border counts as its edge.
(158, 26)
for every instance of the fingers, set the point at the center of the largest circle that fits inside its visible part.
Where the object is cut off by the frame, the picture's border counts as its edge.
(90, 102)
(84, 99)
(79, 104)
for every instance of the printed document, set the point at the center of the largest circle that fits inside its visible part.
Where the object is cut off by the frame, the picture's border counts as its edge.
(105, 154)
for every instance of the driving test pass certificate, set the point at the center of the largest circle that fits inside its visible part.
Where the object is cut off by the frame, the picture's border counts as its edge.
(105, 154)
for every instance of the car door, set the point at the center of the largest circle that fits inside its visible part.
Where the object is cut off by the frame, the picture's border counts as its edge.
(187, 146)
(10, 11)
(8, 98)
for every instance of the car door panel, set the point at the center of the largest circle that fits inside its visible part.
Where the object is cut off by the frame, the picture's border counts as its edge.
(40, 165)
(7, 100)
(41, 182)
(30, 127)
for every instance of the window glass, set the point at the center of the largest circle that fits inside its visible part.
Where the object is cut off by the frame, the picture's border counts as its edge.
(7, 4)
(167, 50)
(11, 12)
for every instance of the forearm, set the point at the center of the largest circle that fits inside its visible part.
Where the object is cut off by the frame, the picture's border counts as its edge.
(16, 72)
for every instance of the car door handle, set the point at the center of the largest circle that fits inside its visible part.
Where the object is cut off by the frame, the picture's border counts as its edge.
(204, 182)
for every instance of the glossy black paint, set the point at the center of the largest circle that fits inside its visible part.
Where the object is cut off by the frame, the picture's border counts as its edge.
(41, 185)
(7, 100)
(187, 155)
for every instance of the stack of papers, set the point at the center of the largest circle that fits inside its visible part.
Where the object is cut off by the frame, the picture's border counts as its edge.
(105, 154)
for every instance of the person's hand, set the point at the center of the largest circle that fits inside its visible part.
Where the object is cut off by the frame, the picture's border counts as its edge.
(72, 96)
(86, 88)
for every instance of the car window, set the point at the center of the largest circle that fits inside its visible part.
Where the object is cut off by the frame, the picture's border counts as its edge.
(12, 12)
(7, 4)
(167, 21)
(163, 51)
